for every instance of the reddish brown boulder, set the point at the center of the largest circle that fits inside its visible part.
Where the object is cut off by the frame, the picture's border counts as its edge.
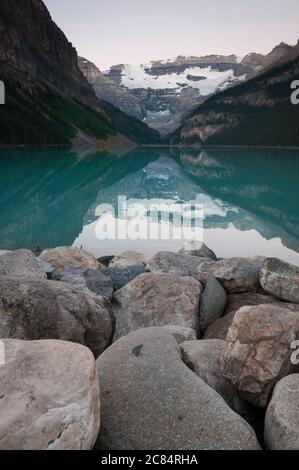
(258, 350)
(220, 327)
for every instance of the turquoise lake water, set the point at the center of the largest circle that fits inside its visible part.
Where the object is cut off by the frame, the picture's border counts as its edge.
(50, 198)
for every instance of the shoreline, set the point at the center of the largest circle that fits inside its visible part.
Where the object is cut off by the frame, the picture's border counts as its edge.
(163, 327)
(155, 146)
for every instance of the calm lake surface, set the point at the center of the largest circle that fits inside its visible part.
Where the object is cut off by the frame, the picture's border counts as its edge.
(50, 198)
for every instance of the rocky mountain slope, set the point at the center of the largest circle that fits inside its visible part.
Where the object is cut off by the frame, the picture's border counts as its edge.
(257, 112)
(48, 99)
(163, 93)
(107, 89)
(280, 54)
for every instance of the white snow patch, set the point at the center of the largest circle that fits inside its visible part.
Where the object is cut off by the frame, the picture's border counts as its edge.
(135, 76)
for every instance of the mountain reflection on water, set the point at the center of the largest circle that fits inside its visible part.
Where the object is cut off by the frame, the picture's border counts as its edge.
(49, 198)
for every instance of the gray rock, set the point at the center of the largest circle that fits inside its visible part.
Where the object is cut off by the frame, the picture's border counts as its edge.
(282, 417)
(151, 400)
(280, 279)
(258, 350)
(128, 258)
(49, 396)
(203, 357)
(41, 309)
(21, 263)
(212, 303)
(154, 299)
(198, 249)
(174, 263)
(66, 256)
(180, 333)
(219, 328)
(235, 274)
(81, 278)
(122, 276)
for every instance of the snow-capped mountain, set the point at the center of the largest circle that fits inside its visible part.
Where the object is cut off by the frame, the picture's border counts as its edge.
(163, 93)
(169, 90)
(206, 80)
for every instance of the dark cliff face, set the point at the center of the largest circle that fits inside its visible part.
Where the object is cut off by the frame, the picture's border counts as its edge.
(257, 112)
(31, 41)
(48, 99)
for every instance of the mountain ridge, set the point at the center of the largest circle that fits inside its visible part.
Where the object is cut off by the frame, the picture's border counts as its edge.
(257, 112)
(163, 93)
(48, 99)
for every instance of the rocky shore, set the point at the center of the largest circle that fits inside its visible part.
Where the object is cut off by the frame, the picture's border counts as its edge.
(180, 351)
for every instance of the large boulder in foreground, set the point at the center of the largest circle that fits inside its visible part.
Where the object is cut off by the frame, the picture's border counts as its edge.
(154, 299)
(258, 350)
(21, 263)
(151, 400)
(49, 396)
(40, 309)
(66, 256)
(203, 357)
(212, 303)
(235, 274)
(199, 249)
(280, 279)
(82, 278)
(282, 417)
(174, 263)
(128, 258)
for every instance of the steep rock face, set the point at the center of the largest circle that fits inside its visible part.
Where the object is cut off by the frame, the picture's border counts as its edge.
(257, 112)
(48, 99)
(32, 42)
(281, 53)
(107, 90)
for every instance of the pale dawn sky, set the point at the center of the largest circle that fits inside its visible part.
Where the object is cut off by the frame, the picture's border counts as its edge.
(111, 32)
